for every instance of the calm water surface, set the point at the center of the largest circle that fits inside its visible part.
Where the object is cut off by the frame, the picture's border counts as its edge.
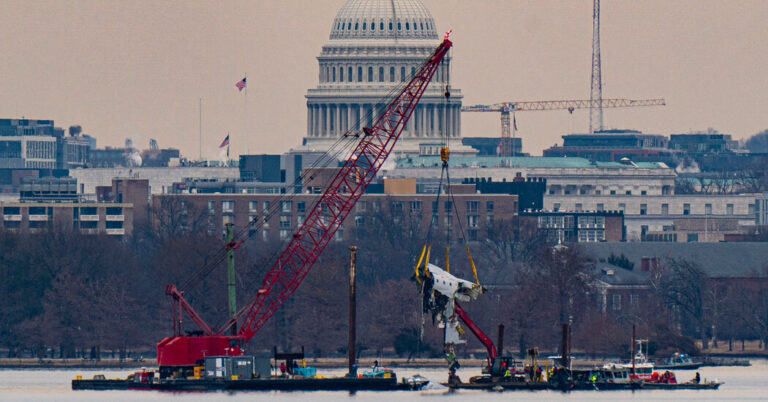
(741, 383)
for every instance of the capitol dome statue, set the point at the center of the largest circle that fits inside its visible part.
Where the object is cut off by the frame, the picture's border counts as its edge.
(375, 46)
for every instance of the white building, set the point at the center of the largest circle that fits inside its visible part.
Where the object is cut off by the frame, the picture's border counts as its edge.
(565, 176)
(762, 209)
(27, 143)
(661, 213)
(161, 179)
(375, 47)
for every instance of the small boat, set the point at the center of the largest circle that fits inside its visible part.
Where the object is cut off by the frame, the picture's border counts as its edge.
(678, 361)
(643, 369)
(684, 385)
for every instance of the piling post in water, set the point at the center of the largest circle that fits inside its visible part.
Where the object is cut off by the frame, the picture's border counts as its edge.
(564, 357)
(352, 310)
(633, 350)
(231, 275)
(501, 340)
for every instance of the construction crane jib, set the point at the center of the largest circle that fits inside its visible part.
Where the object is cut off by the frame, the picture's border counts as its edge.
(507, 108)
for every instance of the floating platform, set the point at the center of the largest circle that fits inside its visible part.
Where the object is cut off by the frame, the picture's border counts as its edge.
(267, 384)
(533, 386)
(685, 385)
(499, 385)
(680, 366)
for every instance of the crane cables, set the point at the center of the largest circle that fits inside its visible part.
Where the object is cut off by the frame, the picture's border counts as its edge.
(461, 228)
(444, 172)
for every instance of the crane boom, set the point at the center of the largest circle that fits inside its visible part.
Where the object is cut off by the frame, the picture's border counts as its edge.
(309, 241)
(479, 334)
(338, 199)
(505, 108)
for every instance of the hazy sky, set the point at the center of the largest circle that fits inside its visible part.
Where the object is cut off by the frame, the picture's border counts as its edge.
(138, 68)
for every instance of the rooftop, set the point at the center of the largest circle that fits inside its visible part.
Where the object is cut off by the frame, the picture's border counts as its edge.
(523, 162)
(716, 259)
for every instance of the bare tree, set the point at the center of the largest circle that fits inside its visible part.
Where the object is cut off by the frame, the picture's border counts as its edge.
(682, 284)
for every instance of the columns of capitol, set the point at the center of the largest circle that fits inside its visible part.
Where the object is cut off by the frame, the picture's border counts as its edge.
(325, 120)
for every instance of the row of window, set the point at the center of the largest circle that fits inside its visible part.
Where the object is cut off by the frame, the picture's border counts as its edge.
(285, 234)
(729, 208)
(253, 206)
(38, 211)
(372, 25)
(75, 224)
(415, 206)
(634, 301)
(41, 149)
(369, 74)
(586, 191)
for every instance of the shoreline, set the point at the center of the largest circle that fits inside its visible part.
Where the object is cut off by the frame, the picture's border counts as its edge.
(326, 363)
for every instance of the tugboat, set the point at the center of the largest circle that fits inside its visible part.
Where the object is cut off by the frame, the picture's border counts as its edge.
(678, 361)
(643, 368)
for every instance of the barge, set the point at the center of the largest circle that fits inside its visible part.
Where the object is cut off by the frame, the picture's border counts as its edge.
(266, 384)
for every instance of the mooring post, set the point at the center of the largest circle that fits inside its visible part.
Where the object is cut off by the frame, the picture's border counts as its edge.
(564, 347)
(633, 350)
(352, 311)
(500, 342)
(231, 275)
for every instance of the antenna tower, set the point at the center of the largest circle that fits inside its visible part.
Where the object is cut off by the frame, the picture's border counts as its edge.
(596, 94)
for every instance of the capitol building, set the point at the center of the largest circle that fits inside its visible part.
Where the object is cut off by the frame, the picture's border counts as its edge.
(375, 47)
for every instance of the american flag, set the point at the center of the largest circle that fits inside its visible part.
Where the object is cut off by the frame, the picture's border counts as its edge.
(225, 143)
(241, 84)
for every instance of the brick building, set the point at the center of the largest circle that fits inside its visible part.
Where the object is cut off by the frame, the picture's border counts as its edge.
(275, 217)
(124, 206)
(85, 217)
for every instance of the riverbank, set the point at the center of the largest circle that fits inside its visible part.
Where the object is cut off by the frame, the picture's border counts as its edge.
(326, 362)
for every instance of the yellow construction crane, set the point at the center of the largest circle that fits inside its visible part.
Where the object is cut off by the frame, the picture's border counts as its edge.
(507, 108)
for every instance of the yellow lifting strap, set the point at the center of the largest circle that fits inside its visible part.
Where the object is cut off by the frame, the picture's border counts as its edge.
(426, 261)
(447, 260)
(472, 262)
(418, 264)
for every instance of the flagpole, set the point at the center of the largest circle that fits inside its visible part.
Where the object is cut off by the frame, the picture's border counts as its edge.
(200, 126)
(245, 116)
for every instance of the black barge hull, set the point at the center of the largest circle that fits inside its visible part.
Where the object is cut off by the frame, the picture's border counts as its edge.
(272, 384)
(709, 385)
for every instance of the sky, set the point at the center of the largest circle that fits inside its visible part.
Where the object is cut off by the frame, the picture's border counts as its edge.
(140, 69)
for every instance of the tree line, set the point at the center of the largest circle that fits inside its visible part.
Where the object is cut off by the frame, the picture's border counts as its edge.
(64, 294)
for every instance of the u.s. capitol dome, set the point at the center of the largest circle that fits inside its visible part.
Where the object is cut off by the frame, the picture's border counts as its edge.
(375, 46)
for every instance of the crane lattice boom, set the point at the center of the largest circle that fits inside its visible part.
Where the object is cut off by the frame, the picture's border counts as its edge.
(322, 222)
(338, 200)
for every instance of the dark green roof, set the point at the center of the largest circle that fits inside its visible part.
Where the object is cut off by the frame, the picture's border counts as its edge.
(521, 162)
(718, 260)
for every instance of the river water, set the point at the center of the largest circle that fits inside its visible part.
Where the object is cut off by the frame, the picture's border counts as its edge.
(741, 383)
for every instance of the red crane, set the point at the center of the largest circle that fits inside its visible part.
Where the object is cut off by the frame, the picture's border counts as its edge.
(479, 334)
(180, 352)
